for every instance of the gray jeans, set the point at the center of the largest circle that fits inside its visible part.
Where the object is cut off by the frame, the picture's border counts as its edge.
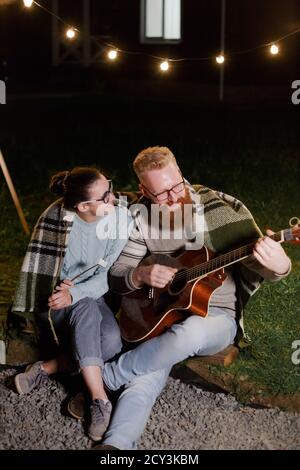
(88, 329)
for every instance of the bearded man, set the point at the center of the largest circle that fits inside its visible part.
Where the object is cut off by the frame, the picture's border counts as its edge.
(214, 220)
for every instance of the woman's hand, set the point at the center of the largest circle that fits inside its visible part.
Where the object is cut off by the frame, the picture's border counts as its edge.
(66, 284)
(60, 300)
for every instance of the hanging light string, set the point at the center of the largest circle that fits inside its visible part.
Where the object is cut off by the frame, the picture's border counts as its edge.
(113, 52)
(52, 14)
(266, 44)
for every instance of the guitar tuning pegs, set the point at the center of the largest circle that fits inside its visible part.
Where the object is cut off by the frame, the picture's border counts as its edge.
(294, 221)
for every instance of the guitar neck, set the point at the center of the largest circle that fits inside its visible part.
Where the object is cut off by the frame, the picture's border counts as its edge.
(231, 257)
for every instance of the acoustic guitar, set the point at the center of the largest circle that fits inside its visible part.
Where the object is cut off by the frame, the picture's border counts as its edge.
(149, 311)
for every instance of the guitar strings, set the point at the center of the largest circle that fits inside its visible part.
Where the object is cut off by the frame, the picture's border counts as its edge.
(199, 270)
(214, 263)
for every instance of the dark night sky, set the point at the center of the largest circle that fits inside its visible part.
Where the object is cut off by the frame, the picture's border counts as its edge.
(25, 38)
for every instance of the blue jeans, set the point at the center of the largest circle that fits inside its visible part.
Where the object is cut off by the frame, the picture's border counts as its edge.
(195, 336)
(133, 409)
(88, 329)
(145, 369)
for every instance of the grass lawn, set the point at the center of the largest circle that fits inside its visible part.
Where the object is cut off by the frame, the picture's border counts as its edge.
(272, 322)
(251, 155)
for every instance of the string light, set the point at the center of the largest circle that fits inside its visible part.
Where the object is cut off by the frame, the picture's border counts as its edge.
(28, 3)
(274, 49)
(112, 54)
(71, 33)
(164, 66)
(220, 59)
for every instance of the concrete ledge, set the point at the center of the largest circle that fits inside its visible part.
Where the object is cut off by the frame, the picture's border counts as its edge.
(21, 351)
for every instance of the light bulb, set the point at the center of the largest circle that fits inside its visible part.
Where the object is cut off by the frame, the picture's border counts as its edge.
(71, 33)
(220, 59)
(164, 66)
(28, 3)
(274, 49)
(112, 54)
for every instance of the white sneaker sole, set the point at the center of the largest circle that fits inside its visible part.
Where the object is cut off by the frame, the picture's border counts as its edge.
(95, 438)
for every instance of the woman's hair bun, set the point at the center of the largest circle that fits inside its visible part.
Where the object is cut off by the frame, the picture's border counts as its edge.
(58, 183)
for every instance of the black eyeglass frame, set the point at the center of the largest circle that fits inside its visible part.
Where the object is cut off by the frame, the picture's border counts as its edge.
(156, 196)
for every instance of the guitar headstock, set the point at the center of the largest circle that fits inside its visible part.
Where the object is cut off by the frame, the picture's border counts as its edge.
(294, 231)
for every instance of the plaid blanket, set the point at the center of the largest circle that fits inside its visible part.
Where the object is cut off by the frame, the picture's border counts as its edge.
(43, 260)
(229, 224)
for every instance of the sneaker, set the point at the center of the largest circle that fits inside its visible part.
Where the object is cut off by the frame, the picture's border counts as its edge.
(100, 417)
(33, 377)
(77, 405)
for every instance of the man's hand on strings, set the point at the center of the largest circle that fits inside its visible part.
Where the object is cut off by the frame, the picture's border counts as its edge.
(271, 254)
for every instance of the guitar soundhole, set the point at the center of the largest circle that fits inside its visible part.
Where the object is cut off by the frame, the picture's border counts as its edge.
(178, 283)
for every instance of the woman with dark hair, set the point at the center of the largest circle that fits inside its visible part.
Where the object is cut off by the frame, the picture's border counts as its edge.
(63, 280)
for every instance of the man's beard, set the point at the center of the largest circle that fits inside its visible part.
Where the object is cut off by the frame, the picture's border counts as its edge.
(179, 217)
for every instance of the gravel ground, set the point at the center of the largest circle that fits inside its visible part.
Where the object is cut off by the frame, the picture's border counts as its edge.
(185, 417)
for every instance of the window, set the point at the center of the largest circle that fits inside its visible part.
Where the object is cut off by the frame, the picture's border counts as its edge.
(160, 21)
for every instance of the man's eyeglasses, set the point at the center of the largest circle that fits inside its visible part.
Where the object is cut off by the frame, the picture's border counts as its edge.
(164, 195)
(105, 197)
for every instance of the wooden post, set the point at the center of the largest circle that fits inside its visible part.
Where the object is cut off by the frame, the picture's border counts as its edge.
(86, 40)
(222, 49)
(13, 194)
